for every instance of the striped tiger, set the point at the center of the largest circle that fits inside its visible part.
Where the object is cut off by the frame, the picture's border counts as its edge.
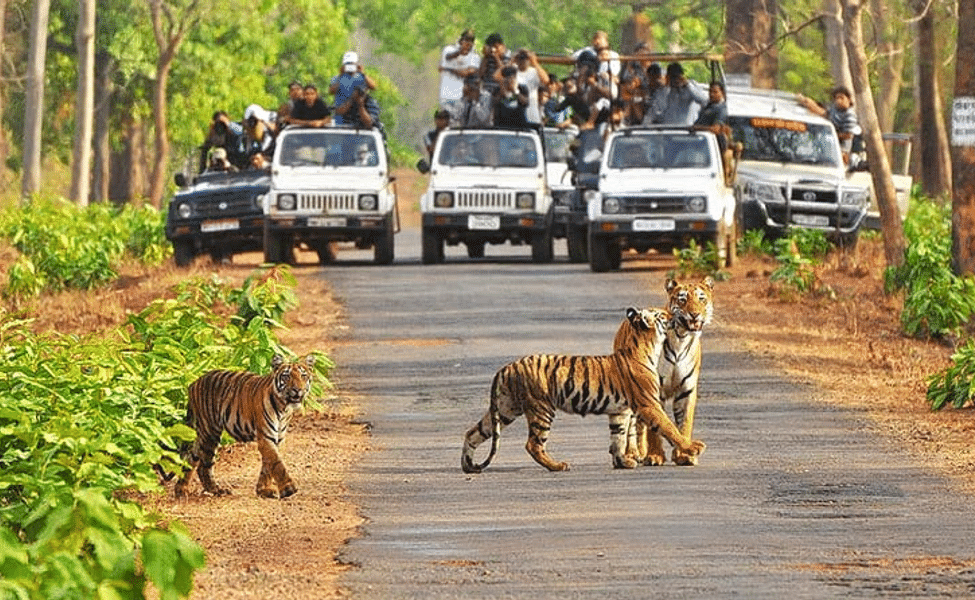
(250, 408)
(538, 385)
(691, 307)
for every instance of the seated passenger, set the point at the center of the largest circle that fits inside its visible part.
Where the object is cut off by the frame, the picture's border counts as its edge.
(313, 112)
(364, 157)
(219, 162)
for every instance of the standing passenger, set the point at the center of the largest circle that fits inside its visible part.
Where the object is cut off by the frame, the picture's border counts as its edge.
(456, 63)
(350, 78)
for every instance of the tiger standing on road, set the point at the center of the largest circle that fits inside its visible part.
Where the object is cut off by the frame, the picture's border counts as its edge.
(691, 307)
(538, 385)
(250, 408)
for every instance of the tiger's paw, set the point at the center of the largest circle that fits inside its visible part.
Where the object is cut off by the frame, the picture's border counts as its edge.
(562, 466)
(267, 492)
(684, 460)
(217, 491)
(624, 462)
(693, 449)
(289, 490)
(654, 460)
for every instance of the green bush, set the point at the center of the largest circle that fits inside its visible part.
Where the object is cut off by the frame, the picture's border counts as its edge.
(83, 421)
(956, 384)
(936, 301)
(64, 247)
(699, 260)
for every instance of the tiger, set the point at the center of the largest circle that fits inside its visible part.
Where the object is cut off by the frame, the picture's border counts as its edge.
(691, 307)
(250, 408)
(538, 385)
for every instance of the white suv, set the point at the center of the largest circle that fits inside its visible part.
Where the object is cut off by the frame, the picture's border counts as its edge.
(330, 185)
(487, 186)
(791, 171)
(659, 188)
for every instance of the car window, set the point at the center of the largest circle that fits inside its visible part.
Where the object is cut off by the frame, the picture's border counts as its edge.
(784, 140)
(328, 149)
(488, 150)
(678, 151)
(557, 146)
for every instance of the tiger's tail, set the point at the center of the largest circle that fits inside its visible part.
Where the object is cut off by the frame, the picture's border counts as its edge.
(467, 460)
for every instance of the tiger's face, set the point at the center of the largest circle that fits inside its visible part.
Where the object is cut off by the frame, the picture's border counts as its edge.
(691, 304)
(642, 331)
(292, 381)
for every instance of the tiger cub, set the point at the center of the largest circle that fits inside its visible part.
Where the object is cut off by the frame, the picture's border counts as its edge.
(691, 307)
(538, 385)
(250, 408)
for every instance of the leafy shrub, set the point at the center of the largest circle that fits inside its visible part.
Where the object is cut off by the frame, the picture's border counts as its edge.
(84, 418)
(753, 243)
(936, 301)
(698, 260)
(67, 247)
(956, 384)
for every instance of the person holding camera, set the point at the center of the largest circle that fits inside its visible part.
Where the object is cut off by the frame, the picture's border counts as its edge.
(344, 85)
(225, 134)
(360, 110)
(457, 62)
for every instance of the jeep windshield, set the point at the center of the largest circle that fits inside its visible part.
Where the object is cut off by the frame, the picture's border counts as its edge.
(489, 150)
(660, 151)
(785, 141)
(324, 148)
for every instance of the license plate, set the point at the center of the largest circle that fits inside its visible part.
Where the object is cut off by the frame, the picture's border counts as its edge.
(484, 222)
(326, 222)
(654, 225)
(219, 225)
(811, 220)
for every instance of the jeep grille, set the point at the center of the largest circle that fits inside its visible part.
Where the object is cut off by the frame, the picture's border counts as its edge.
(641, 205)
(236, 202)
(326, 202)
(805, 193)
(485, 199)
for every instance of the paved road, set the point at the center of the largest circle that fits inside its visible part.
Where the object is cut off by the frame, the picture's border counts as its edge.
(791, 499)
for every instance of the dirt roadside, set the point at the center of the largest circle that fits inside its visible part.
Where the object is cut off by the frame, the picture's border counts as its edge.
(847, 343)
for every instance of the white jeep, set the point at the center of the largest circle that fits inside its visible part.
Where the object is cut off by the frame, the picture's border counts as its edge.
(659, 187)
(487, 186)
(330, 185)
(791, 172)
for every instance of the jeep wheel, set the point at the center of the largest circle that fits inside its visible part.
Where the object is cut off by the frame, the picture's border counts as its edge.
(542, 251)
(383, 247)
(575, 239)
(277, 248)
(432, 247)
(326, 252)
(604, 254)
(475, 249)
(183, 252)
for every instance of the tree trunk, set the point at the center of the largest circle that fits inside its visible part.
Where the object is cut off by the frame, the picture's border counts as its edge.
(169, 30)
(883, 183)
(839, 64)
(3, 88)
(935, 154)
(963, 151)
(34, 98)
(104, 91)
(890, 65)
(750, 35)
(85, 104)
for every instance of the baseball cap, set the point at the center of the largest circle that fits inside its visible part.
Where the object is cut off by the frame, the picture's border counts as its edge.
(350, 61)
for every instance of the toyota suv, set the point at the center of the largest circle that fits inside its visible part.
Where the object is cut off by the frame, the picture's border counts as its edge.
(487, 186)
(330, 185)
(659, 188)
(791, 172)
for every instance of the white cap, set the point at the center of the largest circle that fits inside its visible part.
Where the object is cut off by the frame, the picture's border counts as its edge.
(350, 57)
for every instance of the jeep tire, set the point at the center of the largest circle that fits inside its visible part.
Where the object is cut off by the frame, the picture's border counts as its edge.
(432, 252)
(183, 252)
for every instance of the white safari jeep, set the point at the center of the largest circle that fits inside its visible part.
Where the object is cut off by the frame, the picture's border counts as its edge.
(791, 172)
(330, 185)
(659, 188)
(487, 186)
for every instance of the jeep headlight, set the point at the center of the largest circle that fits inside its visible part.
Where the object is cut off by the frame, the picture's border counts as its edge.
(287, 201)
(368, 202)
(697, 204)
(590, 195)
(763, 192)
(525, 200)
(854, 197)
(611, 206)
(443, 200)
(184, 210)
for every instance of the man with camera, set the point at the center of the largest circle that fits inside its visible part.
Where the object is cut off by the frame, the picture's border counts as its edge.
(350, 81)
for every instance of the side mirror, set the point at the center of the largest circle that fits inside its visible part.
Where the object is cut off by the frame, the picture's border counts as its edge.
(180, 179)
(423, 166)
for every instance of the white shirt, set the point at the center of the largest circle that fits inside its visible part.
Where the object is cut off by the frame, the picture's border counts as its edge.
(530, 79)
(452, 86)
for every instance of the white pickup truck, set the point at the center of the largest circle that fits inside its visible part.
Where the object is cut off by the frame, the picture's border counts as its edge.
(330, 185)
(487, 186)
(659, 188)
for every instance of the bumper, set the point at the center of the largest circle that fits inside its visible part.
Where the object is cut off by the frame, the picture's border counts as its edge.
(245, 233)
(831, 218)
(332, 228)
(656, 230)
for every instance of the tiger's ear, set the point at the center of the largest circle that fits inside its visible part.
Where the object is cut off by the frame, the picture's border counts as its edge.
(671, 284)
(310, 360)
(277, 361)
(708, 282)
(633, 316)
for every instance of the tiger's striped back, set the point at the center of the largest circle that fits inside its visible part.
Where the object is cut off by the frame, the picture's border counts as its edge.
(250, 408)
(539, 385)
